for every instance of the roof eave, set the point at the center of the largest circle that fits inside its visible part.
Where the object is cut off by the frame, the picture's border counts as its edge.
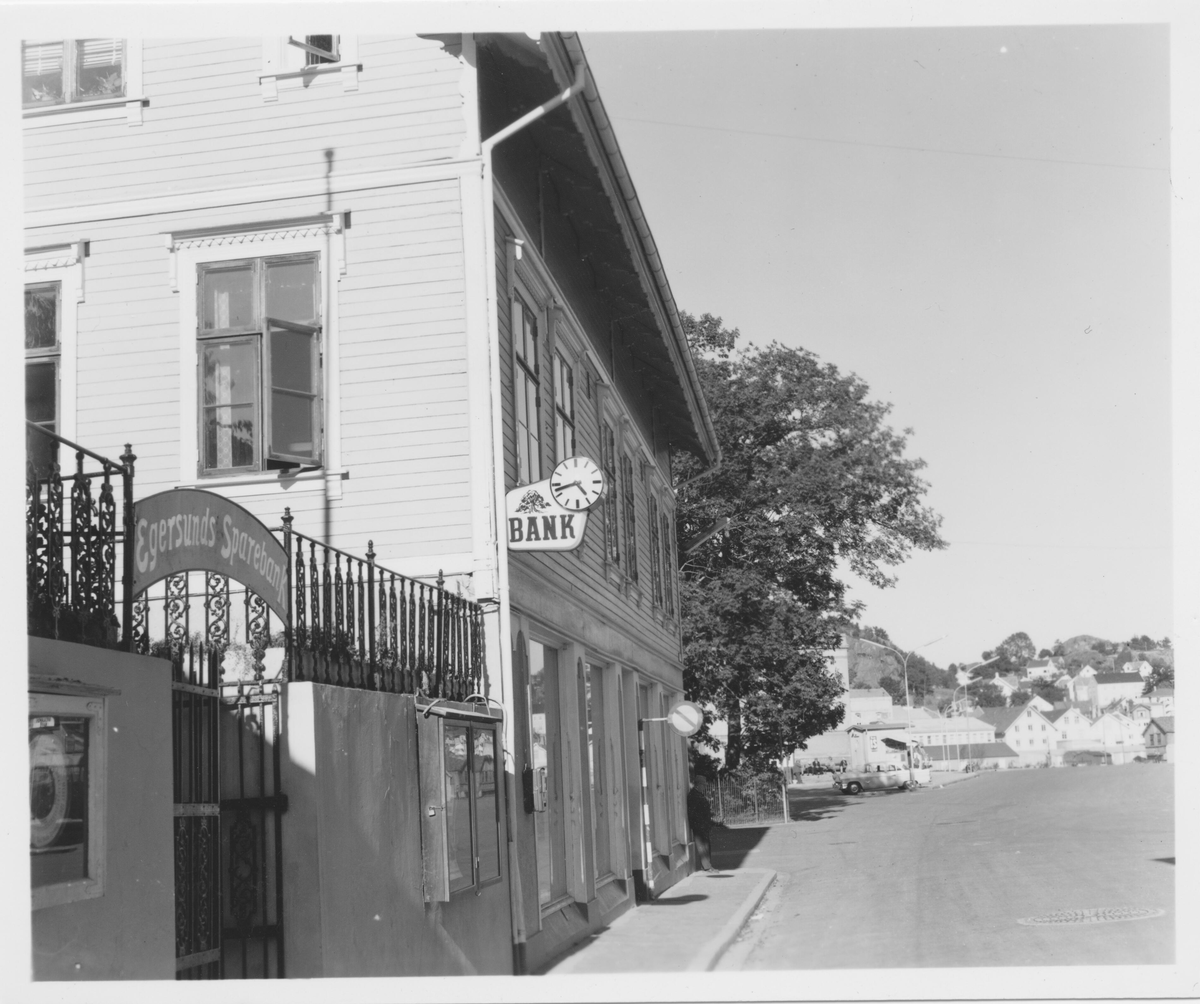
(565, 53)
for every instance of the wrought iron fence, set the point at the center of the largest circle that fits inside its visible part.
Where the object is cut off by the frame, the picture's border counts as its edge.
(72, 540)
(743, 801)
(356, 624)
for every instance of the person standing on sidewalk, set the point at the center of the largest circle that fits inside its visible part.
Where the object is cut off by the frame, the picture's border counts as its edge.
(700, 821)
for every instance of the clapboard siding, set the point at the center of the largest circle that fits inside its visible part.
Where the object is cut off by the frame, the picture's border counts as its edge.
(402, 368)
(207, 124)
(581, 575)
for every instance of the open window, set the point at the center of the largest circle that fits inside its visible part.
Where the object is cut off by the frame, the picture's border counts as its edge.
(66, 798)
(460, 778)
(259, 349)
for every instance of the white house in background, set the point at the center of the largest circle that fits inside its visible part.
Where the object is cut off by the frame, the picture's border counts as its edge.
(1025, 730)
(1103, 689)
(1072, 724)
(950, 733)
(918, 716)
(1066, 684)
(1041, 669)
(1086, 672)
(1038, 702)
(1159, 737)
(1119, 735)
(1139, 666)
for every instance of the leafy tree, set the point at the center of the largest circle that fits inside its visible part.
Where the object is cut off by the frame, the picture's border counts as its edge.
(811, 476)
(894, 687)
(1046, 690)
(1160, 676)
(1045, 654)
(1164, 642)
(989, 696)
(1141, 643)
(1015, 652)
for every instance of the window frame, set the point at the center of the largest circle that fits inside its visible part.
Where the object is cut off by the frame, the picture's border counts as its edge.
(190, 249)
(94, 708)
(525, 377)
(127, 106)
(286, 66)
(41, 356)
(564, 415)
(608, 463)
(61, 264)
(260, 335)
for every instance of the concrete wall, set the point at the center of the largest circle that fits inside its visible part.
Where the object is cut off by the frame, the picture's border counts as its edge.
(128, 932)
(353, 902)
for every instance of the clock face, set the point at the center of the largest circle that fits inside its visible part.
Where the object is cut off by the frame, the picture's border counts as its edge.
(577, 483)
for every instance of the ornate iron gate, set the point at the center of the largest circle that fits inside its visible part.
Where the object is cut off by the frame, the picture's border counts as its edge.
(229, 801)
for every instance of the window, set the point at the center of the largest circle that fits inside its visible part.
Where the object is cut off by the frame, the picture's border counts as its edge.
(72, 70)
(598, 769)
(656, 590)
(545, 744)
(667, 536)
(458, 775)
(564, 409)
(66, 784)
(609, 463)
(630, 517)
(527, 395)
(259, 333)
(318, 49)
(43, 324)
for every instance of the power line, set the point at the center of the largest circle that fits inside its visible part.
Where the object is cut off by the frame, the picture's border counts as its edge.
(884, 146)
(1083, 547)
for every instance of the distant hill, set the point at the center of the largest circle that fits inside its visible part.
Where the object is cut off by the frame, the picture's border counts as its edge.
(1105, 656)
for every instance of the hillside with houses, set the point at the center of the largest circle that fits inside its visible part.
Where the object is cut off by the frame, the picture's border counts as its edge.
(1084, 701)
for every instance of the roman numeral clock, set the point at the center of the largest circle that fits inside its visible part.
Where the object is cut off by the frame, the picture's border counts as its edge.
(551, 515)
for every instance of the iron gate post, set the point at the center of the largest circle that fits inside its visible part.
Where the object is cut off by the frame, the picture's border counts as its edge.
(127, 459)
(376, 682)
(287, 624)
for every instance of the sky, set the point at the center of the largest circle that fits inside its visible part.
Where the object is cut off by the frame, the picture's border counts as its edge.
(976, 221)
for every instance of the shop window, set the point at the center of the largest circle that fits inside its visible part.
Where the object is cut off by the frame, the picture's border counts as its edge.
(564, 409)
(527, 396)
(66, 798)
(43, 351)
(460, 805)
(259, 333)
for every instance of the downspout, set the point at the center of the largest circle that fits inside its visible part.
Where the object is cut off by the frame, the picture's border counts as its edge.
(520, 934)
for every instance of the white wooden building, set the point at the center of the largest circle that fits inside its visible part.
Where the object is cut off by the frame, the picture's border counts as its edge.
(307, 273)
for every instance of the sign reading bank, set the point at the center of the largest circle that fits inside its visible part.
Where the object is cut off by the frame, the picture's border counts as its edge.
(551, 515)
(187, 529)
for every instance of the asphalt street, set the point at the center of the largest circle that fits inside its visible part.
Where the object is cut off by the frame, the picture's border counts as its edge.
(942, 877)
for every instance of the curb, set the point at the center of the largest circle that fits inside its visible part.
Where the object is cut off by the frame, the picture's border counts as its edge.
(715, 947)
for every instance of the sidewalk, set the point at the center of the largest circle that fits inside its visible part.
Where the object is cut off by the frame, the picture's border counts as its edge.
(687, 928)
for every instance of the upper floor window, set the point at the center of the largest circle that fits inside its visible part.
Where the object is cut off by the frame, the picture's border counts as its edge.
(319, 49)
(656, 592)
(564, 409)
(259, 333)
(72, 70)
(667, 537)
(527, 395)
(43, 313)
(608, 460)
(630, 517)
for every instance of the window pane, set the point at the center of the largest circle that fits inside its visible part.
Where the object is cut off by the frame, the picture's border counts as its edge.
(292, 290)
(58, 782)
(327, 43)
(42, 79)
(230, 404)
(292, 362)
(227, 299)
(458, 807)
(41, 385)
(41, 316)
(99, 69)
(487, 822)
(292, 425)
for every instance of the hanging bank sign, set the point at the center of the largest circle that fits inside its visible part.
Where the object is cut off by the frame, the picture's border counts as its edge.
(551, 515)
(187, 530)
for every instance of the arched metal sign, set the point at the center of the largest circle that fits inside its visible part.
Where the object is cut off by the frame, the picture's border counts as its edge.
(186, 529)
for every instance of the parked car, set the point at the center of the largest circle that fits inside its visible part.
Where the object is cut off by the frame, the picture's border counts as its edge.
(851, 782)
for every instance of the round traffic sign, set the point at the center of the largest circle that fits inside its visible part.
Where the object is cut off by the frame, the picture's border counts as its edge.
(686, 718)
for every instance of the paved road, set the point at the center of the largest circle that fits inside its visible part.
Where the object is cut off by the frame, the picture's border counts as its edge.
(940, 877)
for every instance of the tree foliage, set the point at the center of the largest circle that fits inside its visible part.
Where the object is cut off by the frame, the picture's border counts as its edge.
(1160, 676)
(988, 696)
(811, 476)
(1014, 654)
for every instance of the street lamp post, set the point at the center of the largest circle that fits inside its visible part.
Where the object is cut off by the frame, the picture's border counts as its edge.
(962, 687)
(907, 695)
